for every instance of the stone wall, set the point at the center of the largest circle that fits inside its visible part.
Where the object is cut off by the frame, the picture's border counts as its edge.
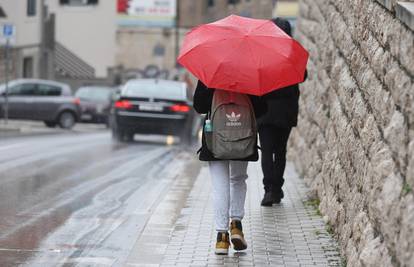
(355, 140)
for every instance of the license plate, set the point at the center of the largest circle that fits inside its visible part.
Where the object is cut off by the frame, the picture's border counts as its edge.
(149, 107)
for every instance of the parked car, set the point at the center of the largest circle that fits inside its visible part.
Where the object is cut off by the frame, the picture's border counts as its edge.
(95, 103)
(151, 106)
(34, 99)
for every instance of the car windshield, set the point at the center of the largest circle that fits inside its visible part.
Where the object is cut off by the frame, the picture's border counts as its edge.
(155, 90)
(94, 93)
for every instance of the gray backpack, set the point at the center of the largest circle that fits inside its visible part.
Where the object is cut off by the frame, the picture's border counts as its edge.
(233, 132)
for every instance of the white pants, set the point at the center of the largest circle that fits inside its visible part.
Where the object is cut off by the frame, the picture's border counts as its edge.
(229, 191)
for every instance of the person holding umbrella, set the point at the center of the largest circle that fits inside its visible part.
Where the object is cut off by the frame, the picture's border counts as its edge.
(274, 130)
(236, 60)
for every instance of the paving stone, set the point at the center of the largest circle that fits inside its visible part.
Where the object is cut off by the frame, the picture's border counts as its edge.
(282, 235)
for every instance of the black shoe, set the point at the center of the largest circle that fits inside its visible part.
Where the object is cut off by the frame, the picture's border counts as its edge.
(278, 196)
(268, 199)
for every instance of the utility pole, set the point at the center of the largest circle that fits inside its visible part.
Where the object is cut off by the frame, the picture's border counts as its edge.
(43, 62)
(177, 31)
(6, 76)
(8, 32)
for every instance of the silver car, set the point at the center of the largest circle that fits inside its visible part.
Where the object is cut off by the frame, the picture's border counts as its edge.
(34, 99)
(95, 102)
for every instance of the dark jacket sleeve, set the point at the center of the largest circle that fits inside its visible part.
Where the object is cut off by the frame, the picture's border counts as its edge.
(202, 98)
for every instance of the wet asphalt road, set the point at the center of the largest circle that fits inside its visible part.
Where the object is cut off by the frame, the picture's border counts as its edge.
(79, 197)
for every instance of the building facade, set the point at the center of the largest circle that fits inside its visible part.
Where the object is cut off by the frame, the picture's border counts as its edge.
(148, 52)
(60, 39)
(85, 31)
(25, 52)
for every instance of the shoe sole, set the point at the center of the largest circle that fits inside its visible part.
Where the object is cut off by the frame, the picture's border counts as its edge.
(221, 251)
(238, 242)
(266, 204)
(277, 201)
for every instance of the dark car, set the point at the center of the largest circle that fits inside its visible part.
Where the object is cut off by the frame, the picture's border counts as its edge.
(48, 101)
(151, 107)
(95, 103)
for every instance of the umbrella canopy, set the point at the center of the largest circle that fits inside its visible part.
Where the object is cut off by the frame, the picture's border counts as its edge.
(244, 55)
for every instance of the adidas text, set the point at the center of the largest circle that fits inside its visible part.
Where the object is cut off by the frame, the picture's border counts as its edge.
(233, 124)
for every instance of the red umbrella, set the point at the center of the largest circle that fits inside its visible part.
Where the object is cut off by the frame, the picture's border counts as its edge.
(245, 55)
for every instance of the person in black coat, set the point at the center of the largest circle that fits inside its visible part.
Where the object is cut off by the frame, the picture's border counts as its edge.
(226, 176)
(274, 130)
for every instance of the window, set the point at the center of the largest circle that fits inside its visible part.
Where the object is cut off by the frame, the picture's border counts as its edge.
(31, 8)
(48, 90)
(158, 50)
(2, 13)
(232, 2)
(94, 93)
(26, 89)
(28, 67)
(78, 2)
(154, 90)
(210, 3)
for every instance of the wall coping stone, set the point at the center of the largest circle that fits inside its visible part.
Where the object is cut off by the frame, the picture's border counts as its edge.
(388, 4)
(405, 13)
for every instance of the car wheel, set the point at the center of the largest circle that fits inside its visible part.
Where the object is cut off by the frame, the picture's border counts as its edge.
(50, 124)
(128, 136)
(107, 123)
(66, 120)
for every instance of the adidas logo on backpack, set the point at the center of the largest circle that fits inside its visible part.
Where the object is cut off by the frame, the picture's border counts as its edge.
(233, 119)
(234, 132)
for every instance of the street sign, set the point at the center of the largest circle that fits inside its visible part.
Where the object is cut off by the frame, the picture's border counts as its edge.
(7, 38)
(8, 30)
(8, 34)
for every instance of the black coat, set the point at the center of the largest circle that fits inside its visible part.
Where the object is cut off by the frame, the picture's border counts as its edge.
(282, 107)
(203, 98)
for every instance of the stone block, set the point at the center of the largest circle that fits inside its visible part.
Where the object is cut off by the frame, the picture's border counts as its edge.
(410, 166)
(375, 254)
(399, 84)
(386, 209)
(369, 133)
(406, 47)
(405, 242)
(396, 134)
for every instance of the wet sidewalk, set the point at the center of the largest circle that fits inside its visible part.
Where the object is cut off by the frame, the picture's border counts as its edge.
(290, 234)
(15, 128)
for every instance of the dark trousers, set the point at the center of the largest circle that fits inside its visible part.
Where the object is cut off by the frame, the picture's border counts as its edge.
(273, 142)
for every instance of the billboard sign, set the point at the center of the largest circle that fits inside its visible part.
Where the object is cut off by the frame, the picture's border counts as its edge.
(148, 13)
